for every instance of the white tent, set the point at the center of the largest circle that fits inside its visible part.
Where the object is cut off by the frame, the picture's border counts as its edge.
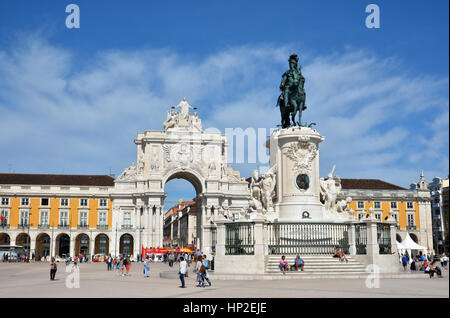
(408, 244)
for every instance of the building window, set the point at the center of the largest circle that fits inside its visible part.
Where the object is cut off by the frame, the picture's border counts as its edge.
(83, 218)
(409, 205)
(4, 217)
(393, 205)
(378, 216)
(103, 202)
(24, 218)
(64, 202)
(377, 205)
(410, 220)
(360, 215)
(43, 218)
(64, 218)
(5, 201)
(360, 205)
(25, 202)
(127, 219)
(83, 202)
(44, 202)
(102, 218)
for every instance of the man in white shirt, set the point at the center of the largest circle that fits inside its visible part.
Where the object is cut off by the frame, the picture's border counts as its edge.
(182, 271)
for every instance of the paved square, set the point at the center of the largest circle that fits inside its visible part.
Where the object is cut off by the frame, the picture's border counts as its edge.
(33, 280)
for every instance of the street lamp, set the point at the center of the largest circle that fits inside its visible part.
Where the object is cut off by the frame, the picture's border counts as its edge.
(29, 240)
(115, 243)
(141, 228)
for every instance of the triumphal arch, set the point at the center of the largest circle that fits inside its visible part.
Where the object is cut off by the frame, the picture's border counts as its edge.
(181, 150)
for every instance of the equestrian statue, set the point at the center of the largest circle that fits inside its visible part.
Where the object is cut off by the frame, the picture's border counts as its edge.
(292, 98)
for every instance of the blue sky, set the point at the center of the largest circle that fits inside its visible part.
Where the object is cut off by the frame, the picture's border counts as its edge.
(73, 100)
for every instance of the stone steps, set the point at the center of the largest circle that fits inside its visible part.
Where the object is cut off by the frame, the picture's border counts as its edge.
(320, 264)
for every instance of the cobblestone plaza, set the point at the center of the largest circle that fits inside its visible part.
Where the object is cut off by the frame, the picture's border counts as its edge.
(32, 280)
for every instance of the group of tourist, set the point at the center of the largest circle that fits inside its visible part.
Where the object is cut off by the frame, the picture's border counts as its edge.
(426, 264)
(201, 269)
(298, 263)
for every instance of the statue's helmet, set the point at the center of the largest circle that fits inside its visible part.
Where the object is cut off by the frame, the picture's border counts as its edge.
(293, 57)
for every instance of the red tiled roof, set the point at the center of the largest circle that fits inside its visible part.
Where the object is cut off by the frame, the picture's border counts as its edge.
(56, 179)
(368, 184)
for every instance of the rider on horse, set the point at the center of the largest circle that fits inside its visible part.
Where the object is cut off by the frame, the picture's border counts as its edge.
(292, 99)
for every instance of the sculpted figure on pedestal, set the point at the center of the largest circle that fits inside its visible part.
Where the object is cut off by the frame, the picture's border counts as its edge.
(268, 186)
(342, 205)
(196, 122)
(129, 173)
(330, 188)
(170, 121)
(255, 186)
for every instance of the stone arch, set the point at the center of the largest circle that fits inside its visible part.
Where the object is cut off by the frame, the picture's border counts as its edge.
(62, 244)
(189, 175)
(126, 244)
(82, 244)
(43, 243)
(23, 239)
(102, 244)
(5, 239)
(414, 237)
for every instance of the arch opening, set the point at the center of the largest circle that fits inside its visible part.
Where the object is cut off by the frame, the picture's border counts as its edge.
(126, 244)
(82, 243)
(42, 246)
(5, 239)
(62, 245)
(182, 210)
(102, 244)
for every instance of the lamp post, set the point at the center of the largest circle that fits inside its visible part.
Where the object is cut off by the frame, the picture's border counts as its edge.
(51, 241)
(29, 239)
(141, 228)
(115, 243)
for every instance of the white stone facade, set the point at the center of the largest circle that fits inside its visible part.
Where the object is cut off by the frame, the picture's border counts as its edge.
(182, 150)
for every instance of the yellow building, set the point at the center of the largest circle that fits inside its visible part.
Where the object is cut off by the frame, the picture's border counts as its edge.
(56, 214)
(445, 200)
(409, 207)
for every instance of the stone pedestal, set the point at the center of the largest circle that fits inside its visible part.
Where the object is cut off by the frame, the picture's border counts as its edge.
(295, 152)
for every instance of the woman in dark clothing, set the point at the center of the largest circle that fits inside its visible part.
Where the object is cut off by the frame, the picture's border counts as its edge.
(53, 269)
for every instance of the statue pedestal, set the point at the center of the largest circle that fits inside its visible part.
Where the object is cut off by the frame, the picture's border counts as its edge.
(295, 151)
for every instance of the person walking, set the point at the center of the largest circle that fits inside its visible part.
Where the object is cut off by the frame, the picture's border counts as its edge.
(118, 263)
(405, 262)
(445, 261)
(109, 261)
(182, 271)
(127, 264)
(200, 269)
(122, 266)
(171, 260)
(53, 269)
(147, 266)
(206, 274)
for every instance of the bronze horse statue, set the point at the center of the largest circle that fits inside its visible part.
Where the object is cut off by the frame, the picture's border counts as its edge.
(293, 96)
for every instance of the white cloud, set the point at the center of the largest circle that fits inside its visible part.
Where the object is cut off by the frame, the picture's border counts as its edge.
(62, 114)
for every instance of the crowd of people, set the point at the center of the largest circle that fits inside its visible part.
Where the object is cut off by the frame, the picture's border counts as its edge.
(427, 264)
